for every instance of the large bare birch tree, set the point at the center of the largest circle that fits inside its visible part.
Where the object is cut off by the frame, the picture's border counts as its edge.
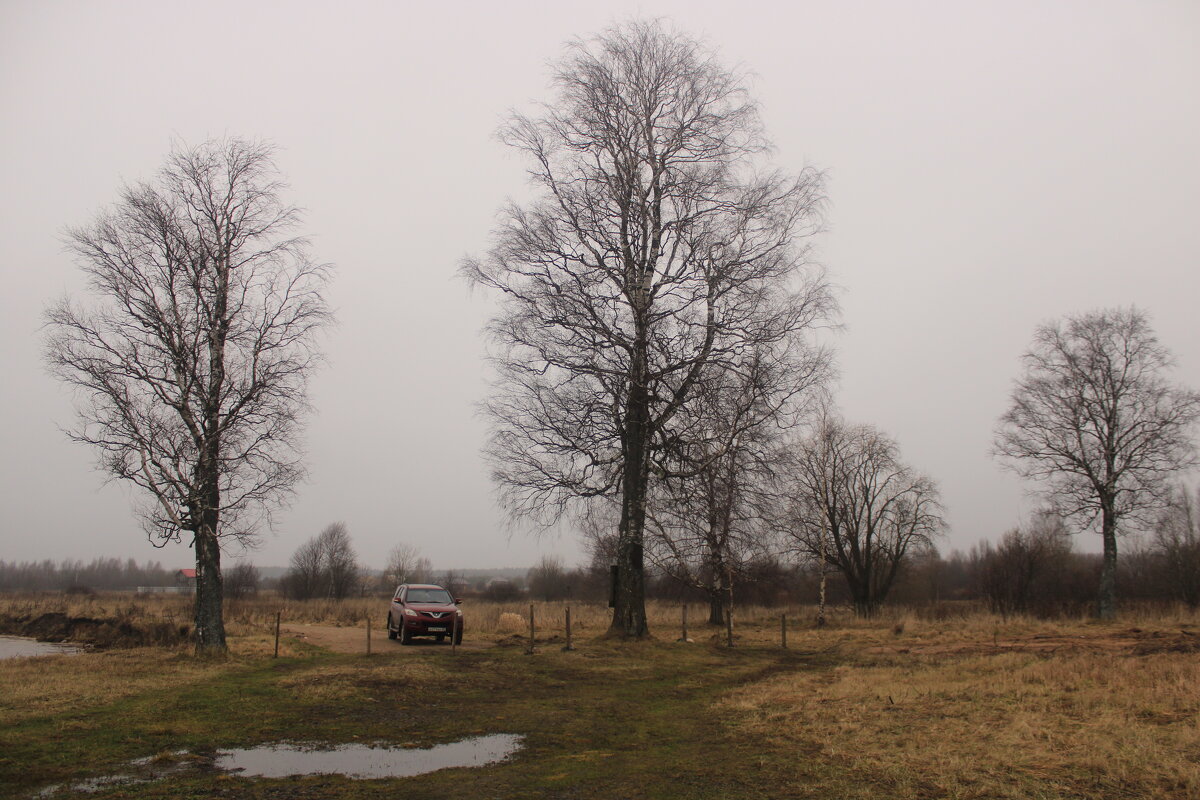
(657, 245)
(1095, 421)
(192, 356)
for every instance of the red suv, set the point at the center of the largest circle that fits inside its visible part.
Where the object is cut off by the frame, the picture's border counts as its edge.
(422, 609)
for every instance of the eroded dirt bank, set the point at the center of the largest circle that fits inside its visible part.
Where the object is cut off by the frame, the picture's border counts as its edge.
(109, 632)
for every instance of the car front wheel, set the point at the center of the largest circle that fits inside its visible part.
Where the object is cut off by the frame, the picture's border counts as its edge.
(390, 629)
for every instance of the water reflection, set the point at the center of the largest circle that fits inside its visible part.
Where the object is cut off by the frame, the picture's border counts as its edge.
(21, 647)
(365, 761)
(151, 768)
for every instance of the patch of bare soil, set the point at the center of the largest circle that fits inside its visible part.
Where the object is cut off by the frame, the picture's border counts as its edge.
(110, 632)
(354, 640)
(1133, 641)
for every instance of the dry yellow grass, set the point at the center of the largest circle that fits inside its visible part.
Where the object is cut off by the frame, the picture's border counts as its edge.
(1036, 709)
(55, 684)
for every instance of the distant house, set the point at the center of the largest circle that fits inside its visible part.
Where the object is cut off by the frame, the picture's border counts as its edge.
(185, 579)
(185, 583)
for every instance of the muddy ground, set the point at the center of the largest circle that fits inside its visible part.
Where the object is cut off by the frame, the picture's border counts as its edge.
(354, 640)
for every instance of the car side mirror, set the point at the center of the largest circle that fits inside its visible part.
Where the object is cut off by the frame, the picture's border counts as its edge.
(458, 601)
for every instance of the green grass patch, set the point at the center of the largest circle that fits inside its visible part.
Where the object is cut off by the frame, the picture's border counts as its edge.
(609, 720)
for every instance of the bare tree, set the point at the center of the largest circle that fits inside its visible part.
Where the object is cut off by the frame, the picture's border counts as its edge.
(548, 579)
(1009, 574)
(242, 580)
(707, 518)
(404, 562)
(305, 577)
(324, 566)
(1176, 539)
(657, 246)
(1095, 420)
(453, 582)
(339, 561)
(858, 508)
(422, 571)
(192, 363)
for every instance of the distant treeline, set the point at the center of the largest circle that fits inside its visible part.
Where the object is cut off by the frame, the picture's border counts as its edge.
(100, 574)
(1032, 570)
(1015, 577)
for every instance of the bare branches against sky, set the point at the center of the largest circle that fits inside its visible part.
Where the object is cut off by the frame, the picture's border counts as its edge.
(989, 166)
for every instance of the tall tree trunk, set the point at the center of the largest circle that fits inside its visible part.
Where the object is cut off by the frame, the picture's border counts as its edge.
(729, 610)
(210, 623)
(210, 617)
(209, 610)
(865, 604)
(629, 611)
(716, 607)
(821, 589)
(717, 587)
(1106, 607)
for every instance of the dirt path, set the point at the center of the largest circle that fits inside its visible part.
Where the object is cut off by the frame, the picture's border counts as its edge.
(354, 640)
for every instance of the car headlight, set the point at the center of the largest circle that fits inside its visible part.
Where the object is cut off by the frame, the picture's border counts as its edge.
(408, 612)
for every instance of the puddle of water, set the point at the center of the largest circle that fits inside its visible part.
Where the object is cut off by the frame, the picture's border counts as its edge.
(22, 647)
(90, 786)
(365, 761)
(150, 769)
(287, 760)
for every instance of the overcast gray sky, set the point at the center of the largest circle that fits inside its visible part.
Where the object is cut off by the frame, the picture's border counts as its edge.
(992, 165)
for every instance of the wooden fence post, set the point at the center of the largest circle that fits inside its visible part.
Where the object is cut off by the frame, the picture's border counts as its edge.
(569, 645)
(277, 615)
(368, 634)
(532, 631)
(783, 630)
(454, 633)
(684, 636)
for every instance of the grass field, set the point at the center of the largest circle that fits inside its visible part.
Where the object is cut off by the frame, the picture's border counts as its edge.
(911, 706)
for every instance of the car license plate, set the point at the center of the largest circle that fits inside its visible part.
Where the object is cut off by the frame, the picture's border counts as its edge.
(437, 630)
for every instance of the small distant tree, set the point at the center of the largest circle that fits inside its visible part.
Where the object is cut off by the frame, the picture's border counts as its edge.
(324, 566)
(704, 528)
(422, 572)
(1094, 419)
(548, 579)
(858, 508)
(707, 514)
(339, 560)
(1010, 574)
(453, 582)
(242, 580)
(305, 576)
(1176, 540)
(403, 565)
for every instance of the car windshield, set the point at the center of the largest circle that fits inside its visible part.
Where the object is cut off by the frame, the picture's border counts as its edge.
(428, 596)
